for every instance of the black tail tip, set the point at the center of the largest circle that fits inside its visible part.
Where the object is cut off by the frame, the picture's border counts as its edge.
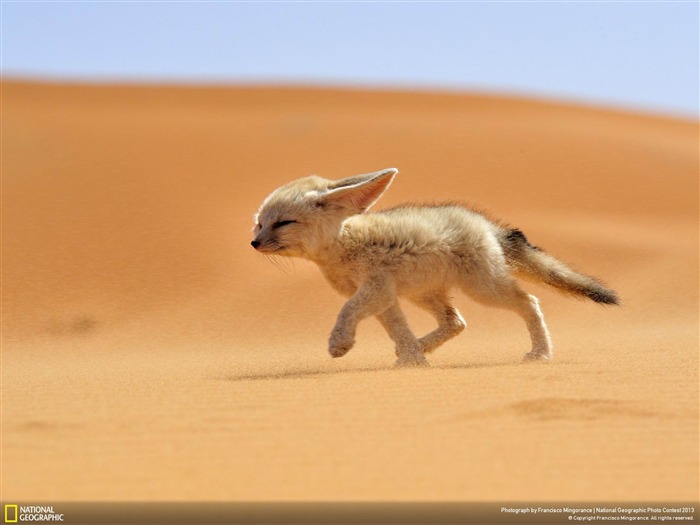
(603, 296)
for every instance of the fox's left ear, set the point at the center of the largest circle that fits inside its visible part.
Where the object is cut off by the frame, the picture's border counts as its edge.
(359, 192)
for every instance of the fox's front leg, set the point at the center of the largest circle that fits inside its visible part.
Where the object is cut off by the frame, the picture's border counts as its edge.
(408, 348)
(373, 297)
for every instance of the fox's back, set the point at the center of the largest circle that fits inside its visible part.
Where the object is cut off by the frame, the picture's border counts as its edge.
(415, 229)
(418, 243)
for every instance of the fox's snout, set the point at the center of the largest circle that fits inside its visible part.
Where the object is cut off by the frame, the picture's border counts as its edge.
(261, 246)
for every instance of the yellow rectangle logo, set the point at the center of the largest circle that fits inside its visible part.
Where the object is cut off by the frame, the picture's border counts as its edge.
(8, 518)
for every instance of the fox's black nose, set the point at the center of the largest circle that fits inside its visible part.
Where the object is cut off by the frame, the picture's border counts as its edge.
(255, 244)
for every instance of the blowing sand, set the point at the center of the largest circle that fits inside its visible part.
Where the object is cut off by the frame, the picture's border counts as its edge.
(150, 354)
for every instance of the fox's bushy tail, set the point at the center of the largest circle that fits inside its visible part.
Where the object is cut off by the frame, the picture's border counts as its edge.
(529, 262)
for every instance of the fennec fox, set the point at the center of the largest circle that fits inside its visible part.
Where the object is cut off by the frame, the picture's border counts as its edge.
(419, 252)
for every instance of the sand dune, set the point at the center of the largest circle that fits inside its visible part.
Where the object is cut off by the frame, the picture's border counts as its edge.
(150, 353)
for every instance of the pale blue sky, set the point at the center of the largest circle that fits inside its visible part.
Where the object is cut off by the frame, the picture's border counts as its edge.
(630, 54)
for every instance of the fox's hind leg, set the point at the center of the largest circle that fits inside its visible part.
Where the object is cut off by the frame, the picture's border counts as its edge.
(450, 322)
(408, 348)
(507, 294)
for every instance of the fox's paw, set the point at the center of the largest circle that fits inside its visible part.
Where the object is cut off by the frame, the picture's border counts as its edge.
(338, 350)
(424, 347)
(339, 345)
(411, 361)
(536, 356)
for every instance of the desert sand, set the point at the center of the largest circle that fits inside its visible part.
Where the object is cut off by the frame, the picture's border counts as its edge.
(149, 353)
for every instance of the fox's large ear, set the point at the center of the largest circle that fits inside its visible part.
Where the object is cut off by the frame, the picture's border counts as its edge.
(359, 192)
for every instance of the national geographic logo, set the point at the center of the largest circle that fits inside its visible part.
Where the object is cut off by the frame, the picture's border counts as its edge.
(30, 513)
(11, 513)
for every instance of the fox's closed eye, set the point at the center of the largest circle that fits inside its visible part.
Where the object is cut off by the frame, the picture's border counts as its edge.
(281, 223)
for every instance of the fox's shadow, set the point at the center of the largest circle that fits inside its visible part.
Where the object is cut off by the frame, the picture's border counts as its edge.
(305, 373)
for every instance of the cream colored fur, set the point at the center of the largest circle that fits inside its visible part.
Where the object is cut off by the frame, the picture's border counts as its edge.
(417, 252)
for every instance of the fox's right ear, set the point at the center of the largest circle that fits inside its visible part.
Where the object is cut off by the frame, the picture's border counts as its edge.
(359, 192)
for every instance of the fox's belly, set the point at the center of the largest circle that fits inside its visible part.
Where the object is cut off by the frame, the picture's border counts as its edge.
(410, 273)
